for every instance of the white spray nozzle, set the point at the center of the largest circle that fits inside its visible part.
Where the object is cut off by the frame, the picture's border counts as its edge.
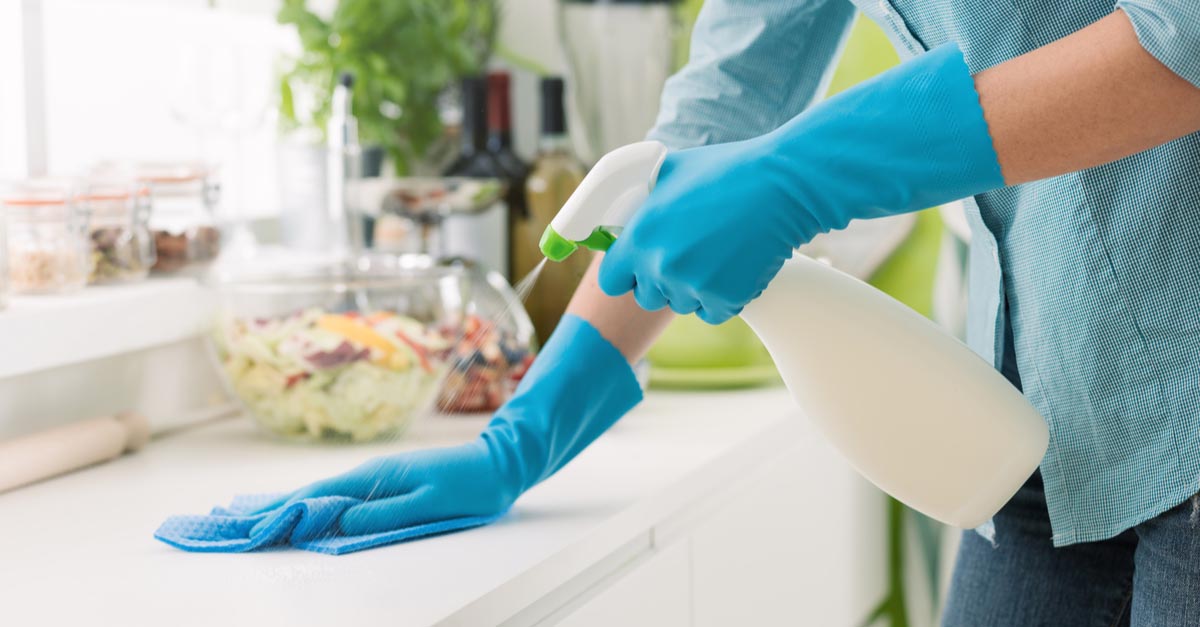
(608, 196)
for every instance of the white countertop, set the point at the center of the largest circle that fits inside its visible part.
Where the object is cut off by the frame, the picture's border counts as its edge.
(78, 549)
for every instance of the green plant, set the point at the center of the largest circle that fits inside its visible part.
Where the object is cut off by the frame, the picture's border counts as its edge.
(403, 54)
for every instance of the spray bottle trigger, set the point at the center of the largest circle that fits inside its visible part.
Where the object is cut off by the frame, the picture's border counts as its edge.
(557, 248)
(599, 239)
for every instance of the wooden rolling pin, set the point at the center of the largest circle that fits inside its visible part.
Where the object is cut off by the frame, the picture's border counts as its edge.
(57, 451)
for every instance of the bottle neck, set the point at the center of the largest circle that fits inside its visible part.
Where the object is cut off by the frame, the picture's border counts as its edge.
(475, 116)
(554, 139)
(499, 114)
(499, 140)
(556, 143)
(474, 136)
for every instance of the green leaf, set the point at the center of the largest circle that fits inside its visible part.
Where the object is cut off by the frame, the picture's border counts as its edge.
(287, 100)
(929, 541)
(513, 58)
(404, 52)
(876, 614)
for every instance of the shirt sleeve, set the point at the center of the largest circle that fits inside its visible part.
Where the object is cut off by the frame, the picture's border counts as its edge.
(754, 65)
(1169, 30)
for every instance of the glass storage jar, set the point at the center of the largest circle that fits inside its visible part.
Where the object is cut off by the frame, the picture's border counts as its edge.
(3, 258)
(122, 248)
(185, 230)
(47, 238)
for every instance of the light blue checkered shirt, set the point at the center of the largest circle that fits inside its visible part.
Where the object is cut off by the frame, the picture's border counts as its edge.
(1096, 273)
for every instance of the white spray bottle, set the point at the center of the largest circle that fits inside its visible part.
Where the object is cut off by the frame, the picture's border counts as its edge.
(911, 408)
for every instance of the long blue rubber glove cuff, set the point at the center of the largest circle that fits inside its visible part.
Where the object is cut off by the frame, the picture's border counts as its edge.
(910, 138)
(577, 388)
(723, 219)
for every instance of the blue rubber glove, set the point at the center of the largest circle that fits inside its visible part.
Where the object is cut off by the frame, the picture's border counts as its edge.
(578, 386)
(722, 219)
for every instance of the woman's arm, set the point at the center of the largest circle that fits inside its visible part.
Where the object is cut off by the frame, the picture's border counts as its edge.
(754, 64)
(620, 320)
(1085, 100)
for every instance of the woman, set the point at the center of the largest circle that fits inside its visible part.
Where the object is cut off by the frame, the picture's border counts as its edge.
(1074, 127)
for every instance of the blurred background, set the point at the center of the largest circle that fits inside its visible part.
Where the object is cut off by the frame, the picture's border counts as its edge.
(217, 141)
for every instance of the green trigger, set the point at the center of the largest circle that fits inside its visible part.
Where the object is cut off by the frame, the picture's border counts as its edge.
(599, 239)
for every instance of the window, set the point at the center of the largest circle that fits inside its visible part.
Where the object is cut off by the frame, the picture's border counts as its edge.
(12, 92)
(150, 80)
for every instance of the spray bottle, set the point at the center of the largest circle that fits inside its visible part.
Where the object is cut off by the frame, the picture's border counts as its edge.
(908, 405)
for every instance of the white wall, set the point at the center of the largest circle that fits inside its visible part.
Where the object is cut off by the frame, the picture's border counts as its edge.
(529, 29)
(165, 80)
(12, 96)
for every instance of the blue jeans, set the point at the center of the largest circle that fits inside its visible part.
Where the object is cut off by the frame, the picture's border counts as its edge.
(1149, 576)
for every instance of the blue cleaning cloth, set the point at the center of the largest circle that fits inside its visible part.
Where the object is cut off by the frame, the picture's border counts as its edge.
(310, 524)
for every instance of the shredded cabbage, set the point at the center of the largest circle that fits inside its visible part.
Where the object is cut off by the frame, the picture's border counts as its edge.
(338, 376)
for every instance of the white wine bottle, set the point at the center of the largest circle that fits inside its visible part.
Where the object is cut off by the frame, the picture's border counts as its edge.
(555, 175)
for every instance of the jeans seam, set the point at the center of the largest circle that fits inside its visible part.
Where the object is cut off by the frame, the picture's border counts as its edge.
(1124, 604)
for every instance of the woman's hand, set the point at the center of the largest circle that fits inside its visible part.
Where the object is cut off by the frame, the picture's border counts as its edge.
(413, 488)
(722, 219)
(716, 229)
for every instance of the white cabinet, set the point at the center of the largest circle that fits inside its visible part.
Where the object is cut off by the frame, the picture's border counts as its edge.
(654, 593)
(791, 548)
(797, 541)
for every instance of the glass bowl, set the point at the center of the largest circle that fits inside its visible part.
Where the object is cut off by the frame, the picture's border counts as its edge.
(496, 349)
(347, 351)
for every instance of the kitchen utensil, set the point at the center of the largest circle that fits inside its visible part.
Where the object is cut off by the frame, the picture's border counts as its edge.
(38, 456)
(454, 216)
(343, 165)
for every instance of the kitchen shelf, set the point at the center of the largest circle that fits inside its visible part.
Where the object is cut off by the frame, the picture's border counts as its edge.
(38, 333)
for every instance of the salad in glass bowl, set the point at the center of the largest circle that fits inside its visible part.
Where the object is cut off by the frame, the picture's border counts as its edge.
(495, 349)
(346, 352)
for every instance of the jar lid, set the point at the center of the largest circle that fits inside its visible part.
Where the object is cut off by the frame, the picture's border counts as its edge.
(36, 193)
(163, 178)
(167, 172)
(111, 197)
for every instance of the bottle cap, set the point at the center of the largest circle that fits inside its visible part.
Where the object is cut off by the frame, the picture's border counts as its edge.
(499, 115)
(474, 106)
(554, 118)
